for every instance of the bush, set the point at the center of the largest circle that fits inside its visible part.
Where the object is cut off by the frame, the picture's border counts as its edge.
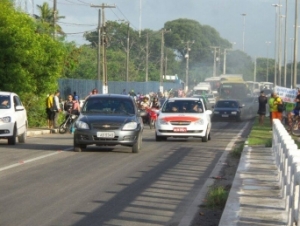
(216, 197)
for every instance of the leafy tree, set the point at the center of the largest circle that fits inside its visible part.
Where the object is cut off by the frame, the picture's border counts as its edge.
(46, 20)
(30, 63)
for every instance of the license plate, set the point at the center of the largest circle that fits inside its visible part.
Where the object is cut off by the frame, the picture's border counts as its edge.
(106, 134)
(225, 116)
(180, 129)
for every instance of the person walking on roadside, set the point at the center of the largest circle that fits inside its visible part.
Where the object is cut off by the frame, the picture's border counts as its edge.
(49, 110)
(262, 102)
(271, 102)
(56, 108)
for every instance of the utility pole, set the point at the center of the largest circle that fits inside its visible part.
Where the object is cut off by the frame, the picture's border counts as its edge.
(215, 60)
(268, 60)
(163, 31)
(224, 61)
(147, 56)
(127, 55)
(254, 72)
(54, 18)
(102, 39)
(187, 56)
(285, 41)
(295, 43)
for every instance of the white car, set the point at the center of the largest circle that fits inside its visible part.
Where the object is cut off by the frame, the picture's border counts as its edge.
(183, 118)
(13, 118)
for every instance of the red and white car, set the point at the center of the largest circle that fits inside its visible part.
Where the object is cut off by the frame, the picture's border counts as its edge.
(183, 118)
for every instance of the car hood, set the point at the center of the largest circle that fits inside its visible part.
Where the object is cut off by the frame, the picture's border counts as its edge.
(92, 118)
(181, 117)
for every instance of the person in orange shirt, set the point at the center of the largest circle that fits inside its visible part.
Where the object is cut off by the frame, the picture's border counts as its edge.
(275, 112)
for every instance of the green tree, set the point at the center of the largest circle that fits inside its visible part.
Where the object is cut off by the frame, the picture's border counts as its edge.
(30, 63)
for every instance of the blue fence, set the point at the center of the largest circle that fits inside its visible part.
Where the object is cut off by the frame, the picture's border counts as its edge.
(84, 86)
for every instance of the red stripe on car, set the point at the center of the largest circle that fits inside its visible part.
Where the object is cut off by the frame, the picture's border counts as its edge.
(181, 118)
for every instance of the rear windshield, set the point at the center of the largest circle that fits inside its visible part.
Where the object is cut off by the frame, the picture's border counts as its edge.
(187, 106)
(108, 106)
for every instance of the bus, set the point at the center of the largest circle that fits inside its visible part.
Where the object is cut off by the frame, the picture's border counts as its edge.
(216, 81)
(234, 90)
(267, 85)
(254, 87)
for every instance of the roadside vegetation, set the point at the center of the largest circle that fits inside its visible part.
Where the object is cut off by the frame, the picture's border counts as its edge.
(261, 134)
(34, 54)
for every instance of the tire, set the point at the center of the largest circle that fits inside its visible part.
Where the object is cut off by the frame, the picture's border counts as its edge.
(137, 146)
(22, 137)
(13, 139)
(296, 128)
(63, 128)
(209, 137)
(205, 138)
(79, 147)
(152, 124)
(160, 138)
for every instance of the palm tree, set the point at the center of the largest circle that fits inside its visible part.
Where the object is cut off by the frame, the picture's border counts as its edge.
(46, 18)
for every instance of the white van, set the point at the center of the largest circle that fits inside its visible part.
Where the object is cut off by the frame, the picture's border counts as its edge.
(202, 89)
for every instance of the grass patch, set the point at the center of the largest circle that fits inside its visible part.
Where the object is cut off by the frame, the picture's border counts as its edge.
(216, 197)
(237, 151)
(260, 134)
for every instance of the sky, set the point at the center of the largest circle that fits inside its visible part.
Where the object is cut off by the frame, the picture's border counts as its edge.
(255, 29)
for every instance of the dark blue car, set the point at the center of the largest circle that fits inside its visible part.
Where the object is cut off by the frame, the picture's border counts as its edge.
(227, 110)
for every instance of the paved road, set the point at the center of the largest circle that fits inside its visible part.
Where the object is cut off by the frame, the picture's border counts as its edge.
(43, 182)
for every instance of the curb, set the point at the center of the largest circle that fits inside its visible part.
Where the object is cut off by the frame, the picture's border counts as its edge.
(32, 133)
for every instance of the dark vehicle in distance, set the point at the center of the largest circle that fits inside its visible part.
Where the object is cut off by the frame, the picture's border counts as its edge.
(228, 110)
(108, 120)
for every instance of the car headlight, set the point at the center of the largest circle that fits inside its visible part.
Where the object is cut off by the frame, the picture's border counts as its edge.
(81, 125)
(199, 122)
(216, 112)
(163, 122)
(233, 112)
(5, 119)
(130, 126)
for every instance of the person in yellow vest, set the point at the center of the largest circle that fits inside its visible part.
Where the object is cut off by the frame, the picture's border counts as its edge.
(49, 112)
(271, 102)
(275, 112)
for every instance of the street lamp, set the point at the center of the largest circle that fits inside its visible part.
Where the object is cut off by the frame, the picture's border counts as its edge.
(292, 44)
(268, 43)
(275, 57)
(188, 49)
(244, 16)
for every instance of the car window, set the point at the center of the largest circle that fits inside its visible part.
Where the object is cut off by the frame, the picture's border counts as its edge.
(181, 106)
(227, 104)
(5, 102)
(108, 106)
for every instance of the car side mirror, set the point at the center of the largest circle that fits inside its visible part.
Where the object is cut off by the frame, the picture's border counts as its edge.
(19, 108)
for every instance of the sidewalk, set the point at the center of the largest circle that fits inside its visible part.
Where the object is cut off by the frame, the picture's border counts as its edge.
(39, 131)
(255, 195)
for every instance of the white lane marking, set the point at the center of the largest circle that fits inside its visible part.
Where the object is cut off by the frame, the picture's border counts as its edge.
(194, 207)
(32, 160)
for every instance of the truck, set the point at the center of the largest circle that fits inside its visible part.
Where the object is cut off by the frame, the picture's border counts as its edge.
(203, 88)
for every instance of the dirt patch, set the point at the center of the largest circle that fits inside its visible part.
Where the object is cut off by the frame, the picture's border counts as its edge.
(211, 217)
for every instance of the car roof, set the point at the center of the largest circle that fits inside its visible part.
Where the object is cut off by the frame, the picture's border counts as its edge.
(227, 100)
(7, 93)
(120, 96)
(183, 98)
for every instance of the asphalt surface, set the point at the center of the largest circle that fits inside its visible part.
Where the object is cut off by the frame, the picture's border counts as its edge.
(43, 182)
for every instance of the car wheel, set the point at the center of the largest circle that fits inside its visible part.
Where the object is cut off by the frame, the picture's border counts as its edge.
(79, 147)
(205, 138)
(209, 137)
(23, 136)
(159, 138)
(13, 139)
(137, 146)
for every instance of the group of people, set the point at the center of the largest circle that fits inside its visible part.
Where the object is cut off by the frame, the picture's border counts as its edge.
(277, 107)
(54, 107)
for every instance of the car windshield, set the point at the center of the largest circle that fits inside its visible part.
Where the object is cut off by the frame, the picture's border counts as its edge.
(112, 106)
(4, 102)
(227, 104)
(187, 106)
